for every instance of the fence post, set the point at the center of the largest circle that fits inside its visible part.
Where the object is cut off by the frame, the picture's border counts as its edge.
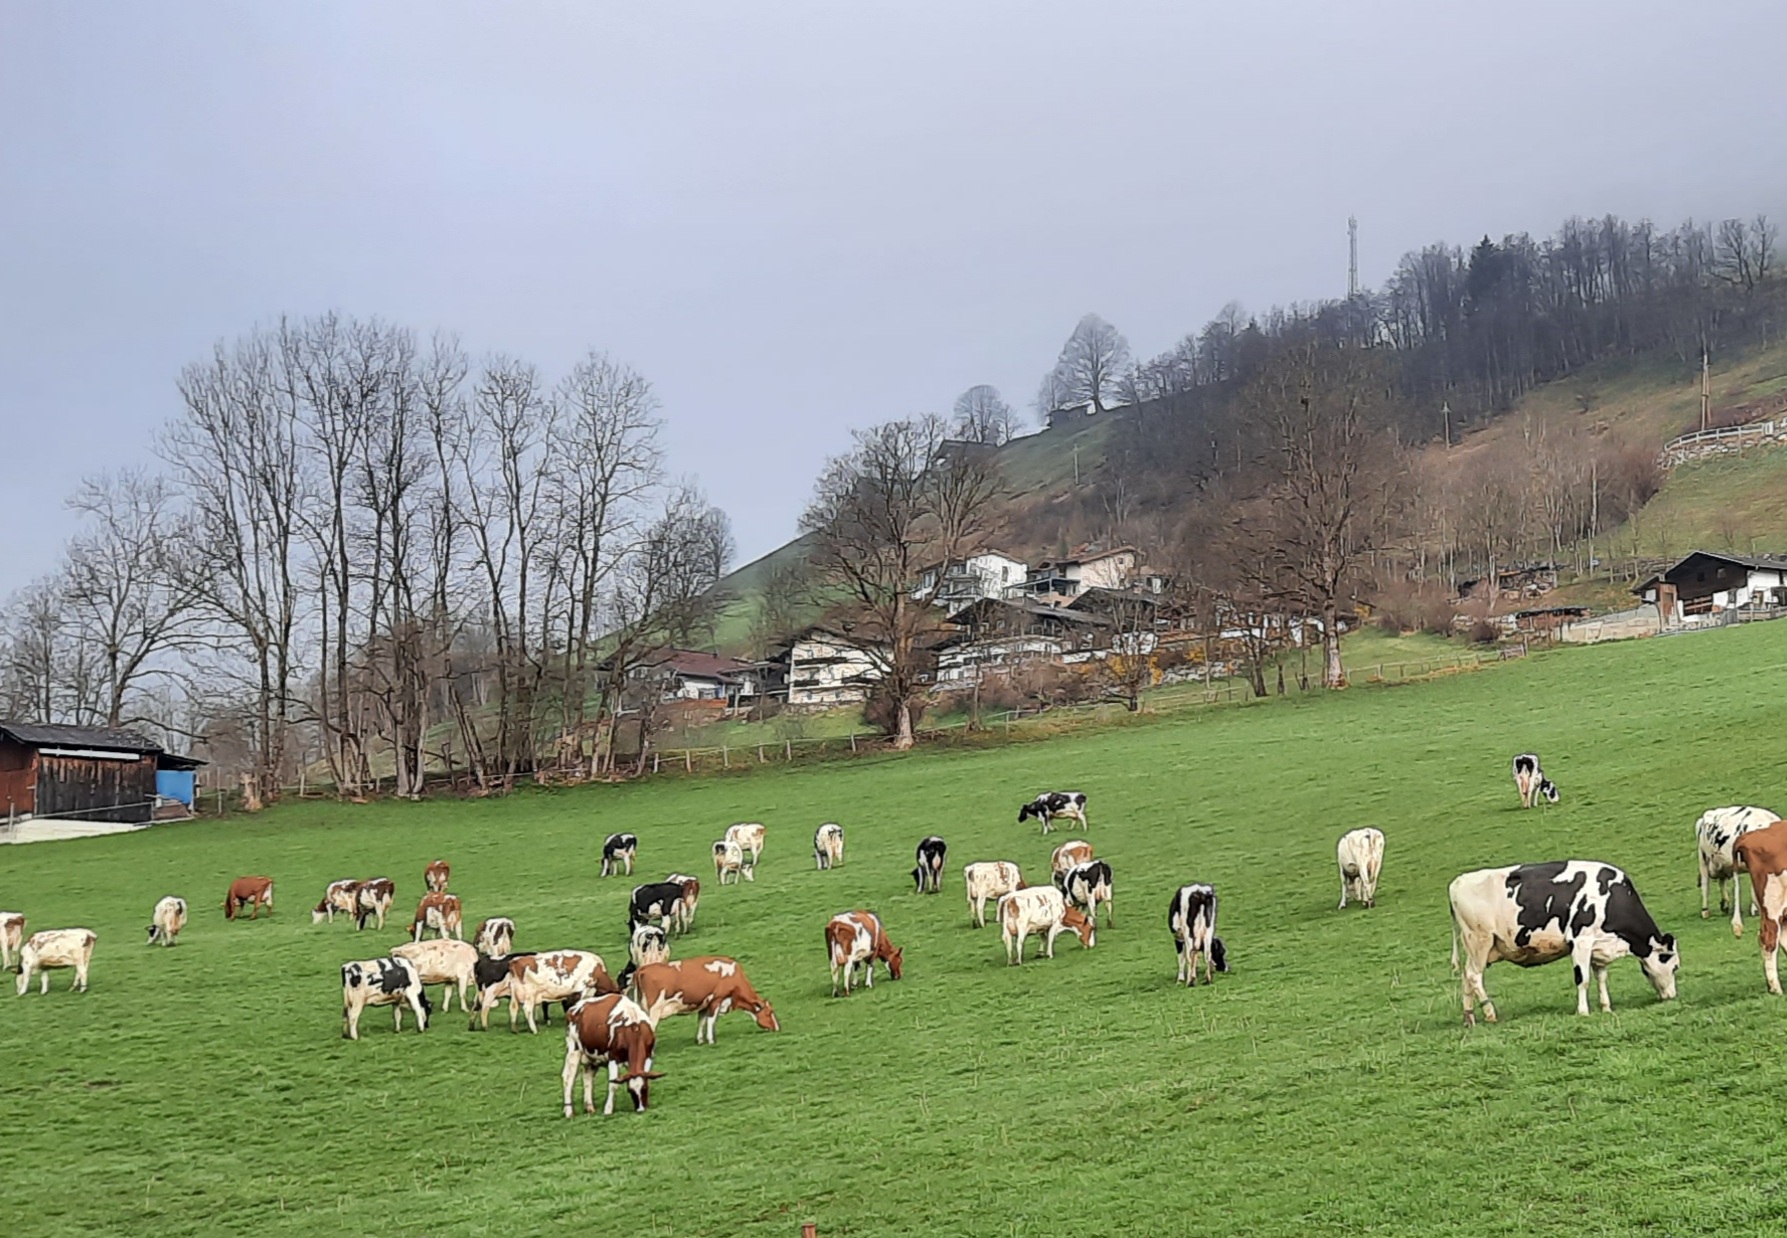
(725, 757)
(788, 750)
(655, 762)
(853, 741)
(760, 757)
(688, 762)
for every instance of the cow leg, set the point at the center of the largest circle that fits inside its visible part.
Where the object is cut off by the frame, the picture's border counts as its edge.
(1110, 911)
(350, 1023)
(421, 1014)
(531, 1025)
(1770, 935)
(44, 989)
(573, 1060)
(1344, 883)
(613, 1083)
(1601, 979)
(1582, 962)
(397, 1016)
(80, 978)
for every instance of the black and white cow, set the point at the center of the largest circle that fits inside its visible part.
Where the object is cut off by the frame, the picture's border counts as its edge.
(1051, 804)
(928, 876)
(382, 982)
(490, 984)
(1531, 781)
(656, 902)
(1716, 832)
(1086, 886)
(1192, 918)
(618, 853)
(1529, 914)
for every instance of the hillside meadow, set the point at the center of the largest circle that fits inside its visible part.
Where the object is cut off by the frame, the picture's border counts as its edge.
(1325, 1086)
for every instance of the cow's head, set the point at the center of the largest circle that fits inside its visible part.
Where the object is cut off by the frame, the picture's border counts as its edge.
(427, 1006)
(1219, 954)
(1026, 812)
(602, 983)
(639, 1085)
(320, 912)
(894, 961)
(1081, 927)
(1661, 964)
(154, 932)
(1548, 789)
(766, 1018)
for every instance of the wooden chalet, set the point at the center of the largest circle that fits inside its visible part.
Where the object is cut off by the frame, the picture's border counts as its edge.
(90, 773)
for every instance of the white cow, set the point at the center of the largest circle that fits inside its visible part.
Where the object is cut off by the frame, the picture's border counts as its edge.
(1042, 910)
(1716, 832)
(444, 962)
(990, 879)
(828, 845)
(12, 936)
(52, 950)
(749, 837)
(168, 920)
(729, 860)
(1361, 857)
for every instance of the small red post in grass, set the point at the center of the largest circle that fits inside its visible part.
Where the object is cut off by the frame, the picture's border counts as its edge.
(809, 1230)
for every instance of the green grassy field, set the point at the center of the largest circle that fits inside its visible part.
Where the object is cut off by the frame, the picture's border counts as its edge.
(1325, 1086)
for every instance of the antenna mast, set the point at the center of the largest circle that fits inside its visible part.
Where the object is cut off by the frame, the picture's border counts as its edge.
(1352, 250)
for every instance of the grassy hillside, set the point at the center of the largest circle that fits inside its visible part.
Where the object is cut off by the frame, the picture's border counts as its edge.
(1324, 1086)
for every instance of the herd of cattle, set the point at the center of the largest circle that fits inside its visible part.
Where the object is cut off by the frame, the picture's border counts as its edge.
(1527, 914)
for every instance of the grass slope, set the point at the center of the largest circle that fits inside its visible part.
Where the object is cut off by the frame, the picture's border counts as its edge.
(1324, 1087)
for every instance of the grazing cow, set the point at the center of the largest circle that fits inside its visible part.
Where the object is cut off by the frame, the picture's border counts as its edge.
(440, 913)
(1051, 804)
(1070, 854)
(168, 920)
(854, 937)
(618, 852)
(1086, 886)
(554, 976)
(649, 944)
(490, 979)
(1360, 855)
(12, 936)
(52, 950)
(828, 845)
(372, 901)
(342, 896)
(495, 937)
(1529, 914)
(683, 914)
(749, 837)
(991, 879)
(450, 963)
(707, 986)
(1764, 853)
(1192, 917)
(436, 876)
(246, 891)
(729, 857)
(657, 902)
(382, 982)
(1716, 831)
(1531, 781)
(1042, 910)
(928, 875)
(609, 1031)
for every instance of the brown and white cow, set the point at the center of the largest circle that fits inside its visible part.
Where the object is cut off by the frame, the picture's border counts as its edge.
(53, 950)
(1764, 853)
(12, 936)
(989, 880)
(372, 901)
(554, 976)
(855, 938)
(682, 919)
(249, 891)
(1042, 910)
(449, 963)
(609, 1031)
(707, 986)
(439, 913)
(167, 921)
(436, 876)
(381, 982)
(342, 896)
(749, 837)
(730, 860)
(1069, 855)
(495, 937)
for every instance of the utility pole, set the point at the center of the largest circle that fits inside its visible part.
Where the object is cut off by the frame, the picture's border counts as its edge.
(1706, 390)
(1352, 249)
(1446, 412)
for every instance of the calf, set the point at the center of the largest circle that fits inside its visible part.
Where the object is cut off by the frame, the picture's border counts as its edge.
(372, 901)
(683, 916)
(248, 891)
(52, 950)
(451, 963)
(749, 837)
(707, 987)
(381, 982)
(1042, 910)
(342, 896)
(1070, 854)
(828, 845)
(654, 902)
(1192, 917)
(928, 875)
(1531, 781)
(1360, 855)
(609, 1031)
(436, 876)
(1529, 914)
(1051, 804)
(856, 937)
(990, 879)
(1086, 886)
(649, 944)
(439, 913)
(12, 936)
(495, 937)
(1763, 852)
(1716, 832)
(167, 921)
(618, 852)
(729, 859)
(554, 976)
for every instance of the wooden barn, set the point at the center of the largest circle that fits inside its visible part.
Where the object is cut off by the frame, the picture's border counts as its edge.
(90, 773)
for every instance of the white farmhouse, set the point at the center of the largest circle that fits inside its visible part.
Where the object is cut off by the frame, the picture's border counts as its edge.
(988, 574)
(821, 667)
(1708, 583)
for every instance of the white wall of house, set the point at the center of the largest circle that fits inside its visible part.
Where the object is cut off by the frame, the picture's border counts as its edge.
(822, 671)
(958, 663)
(1108, 571)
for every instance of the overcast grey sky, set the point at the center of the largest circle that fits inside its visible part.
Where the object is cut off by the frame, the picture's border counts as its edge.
(794, 218)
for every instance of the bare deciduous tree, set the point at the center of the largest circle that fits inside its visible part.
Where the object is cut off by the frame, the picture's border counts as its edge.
(1089, 370)
(982, 416)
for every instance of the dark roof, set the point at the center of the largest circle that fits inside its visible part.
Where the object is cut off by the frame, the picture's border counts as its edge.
(55, 735)
(1769, 563)
(1026, 607)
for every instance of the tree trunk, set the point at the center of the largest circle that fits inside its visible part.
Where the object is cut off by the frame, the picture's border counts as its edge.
(903, 737)
(1334, 674)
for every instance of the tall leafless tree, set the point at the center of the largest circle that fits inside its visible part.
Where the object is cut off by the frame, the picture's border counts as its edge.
(1089, 370)
(983, 416)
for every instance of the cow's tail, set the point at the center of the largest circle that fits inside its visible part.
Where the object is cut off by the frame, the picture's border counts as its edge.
(1453, 910)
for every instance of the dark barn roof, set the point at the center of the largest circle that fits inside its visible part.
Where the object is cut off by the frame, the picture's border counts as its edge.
(55, 735)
